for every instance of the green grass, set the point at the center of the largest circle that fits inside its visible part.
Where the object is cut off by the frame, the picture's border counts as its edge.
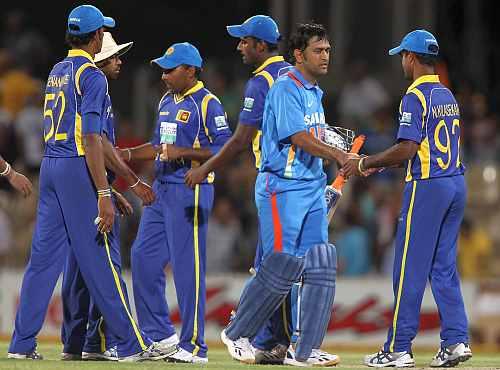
(218, 359)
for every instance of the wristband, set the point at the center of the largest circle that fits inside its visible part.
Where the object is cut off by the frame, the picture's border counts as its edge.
(360, 165)
(129, 154)
(104, 193)
(137, 183)
(7, 170)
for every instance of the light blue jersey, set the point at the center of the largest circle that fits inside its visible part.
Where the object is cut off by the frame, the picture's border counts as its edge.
(292, 105)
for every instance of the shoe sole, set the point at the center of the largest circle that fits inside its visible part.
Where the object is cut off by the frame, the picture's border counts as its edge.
(391, 364)
(329, 363)
(19, 356)
(455, 361)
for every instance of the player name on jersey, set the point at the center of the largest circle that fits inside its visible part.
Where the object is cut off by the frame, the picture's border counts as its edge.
(445, 110)
(314, 118)
(58, 81)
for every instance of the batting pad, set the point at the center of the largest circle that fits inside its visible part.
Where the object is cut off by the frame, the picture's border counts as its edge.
(264, 294)
(316, 298)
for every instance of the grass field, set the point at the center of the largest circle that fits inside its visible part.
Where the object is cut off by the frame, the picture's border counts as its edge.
(218, 359)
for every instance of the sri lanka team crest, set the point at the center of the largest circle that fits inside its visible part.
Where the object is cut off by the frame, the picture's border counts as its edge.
(183, 115)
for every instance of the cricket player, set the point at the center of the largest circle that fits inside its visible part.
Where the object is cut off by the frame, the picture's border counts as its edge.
(16, 179)
(428, 141)
(258, 44)
(73, 191)
(191, 127)
(289, 195)
(84, 333)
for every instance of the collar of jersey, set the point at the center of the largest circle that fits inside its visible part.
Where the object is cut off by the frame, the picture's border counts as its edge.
(199, 85)
(276, 58)
(423, 79)
(80, 53)
(295, 72)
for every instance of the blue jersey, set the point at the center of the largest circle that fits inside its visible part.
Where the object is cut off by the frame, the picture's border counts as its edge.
(196, 119)
(256, 91)
(108, 128)
(293, 105)
(75, 87)
(429, 115)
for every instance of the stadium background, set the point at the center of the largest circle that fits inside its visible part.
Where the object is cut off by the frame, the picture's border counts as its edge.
(362, 89)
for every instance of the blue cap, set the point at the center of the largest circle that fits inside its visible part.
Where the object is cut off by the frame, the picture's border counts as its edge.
(261, 27)
(418, 41)
(177, 54)
(87, 18)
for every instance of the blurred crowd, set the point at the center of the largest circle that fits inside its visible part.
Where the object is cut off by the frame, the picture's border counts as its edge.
(364, 100)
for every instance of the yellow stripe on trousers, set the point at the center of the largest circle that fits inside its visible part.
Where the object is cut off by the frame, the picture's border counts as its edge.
(403, 264)
(196, 268)
(122, 296)
(101, 334)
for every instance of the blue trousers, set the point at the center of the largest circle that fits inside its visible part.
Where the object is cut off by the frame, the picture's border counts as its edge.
(426, 250)
(173, 232)
(65, 217)
(83, 326)
(292, 218)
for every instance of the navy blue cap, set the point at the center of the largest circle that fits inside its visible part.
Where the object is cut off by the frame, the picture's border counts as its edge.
(177, 54)
(418, 41)
(261, 27)
(87, 18)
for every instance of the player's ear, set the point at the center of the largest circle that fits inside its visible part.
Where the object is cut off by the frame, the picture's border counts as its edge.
(298, 55)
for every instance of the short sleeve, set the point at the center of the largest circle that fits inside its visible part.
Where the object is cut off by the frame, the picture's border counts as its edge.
(286, 103)
(253, 102)
(94, 87)
(217, 125)
(410, 118)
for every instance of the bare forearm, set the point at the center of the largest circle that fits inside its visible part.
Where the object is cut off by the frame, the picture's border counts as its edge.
(143, 152)
(198, 154)
(395, 156)
(94, 157)
(3, 165)
(316, 148)
(115, 163)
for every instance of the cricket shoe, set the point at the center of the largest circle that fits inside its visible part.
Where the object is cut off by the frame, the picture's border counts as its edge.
(25, 356)
(240, 349)
(317, 358)
(183, 356)
(169, 344)
(108, 355)
(452, 355)
(275, 356)
(71, 356)
(390, 359)
(152, 353)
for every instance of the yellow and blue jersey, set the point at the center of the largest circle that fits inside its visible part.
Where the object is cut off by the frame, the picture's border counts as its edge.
(293, 105)
(256, 91)
(75, 87)
(199, 121)
(429, 115)
(108, 128)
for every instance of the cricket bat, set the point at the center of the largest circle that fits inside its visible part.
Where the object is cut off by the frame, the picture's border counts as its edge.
(333, 192)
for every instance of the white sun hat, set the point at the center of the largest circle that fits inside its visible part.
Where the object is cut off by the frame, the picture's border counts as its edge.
(110, 48)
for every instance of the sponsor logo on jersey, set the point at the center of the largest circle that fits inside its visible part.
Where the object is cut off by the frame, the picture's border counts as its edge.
(183, 115)
(248, 104)
(220, 122)
(405, 119)
(314, 118)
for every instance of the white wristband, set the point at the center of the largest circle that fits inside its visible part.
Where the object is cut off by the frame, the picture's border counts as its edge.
(137, 183)
(7, 169)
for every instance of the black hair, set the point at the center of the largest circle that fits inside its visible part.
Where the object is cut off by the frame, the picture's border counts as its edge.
(303, 34)
(75, 41)
(270, 47)
(197, 72)
(426, 59)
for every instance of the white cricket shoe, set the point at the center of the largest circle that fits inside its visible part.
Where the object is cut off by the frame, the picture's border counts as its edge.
(183, 356)
(240, 349)
(317, 358)
(108, 355)
(390, 359)
(152, 353)
(25, 356)
(451, 356)
(169, 344)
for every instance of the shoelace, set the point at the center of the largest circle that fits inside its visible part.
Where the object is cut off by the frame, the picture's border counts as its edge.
(442, 353)
(381, 356)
